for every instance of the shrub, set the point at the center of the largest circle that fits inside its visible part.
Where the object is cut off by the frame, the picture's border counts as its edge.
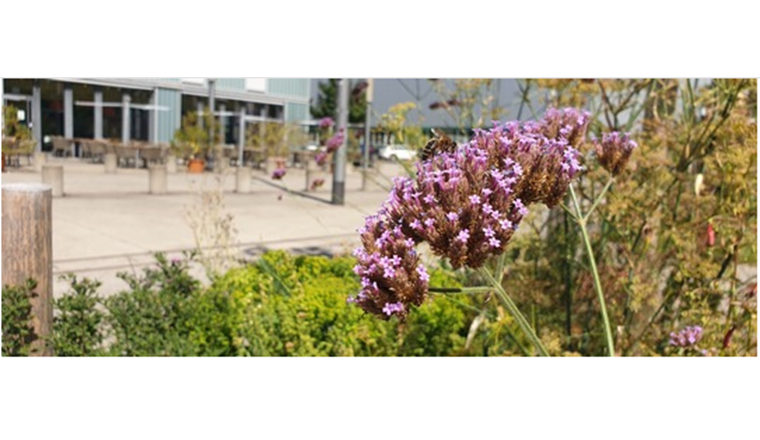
(279, 306)
(77, 323)
(18, 333)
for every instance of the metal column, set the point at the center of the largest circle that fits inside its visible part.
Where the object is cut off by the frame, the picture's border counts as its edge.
(223, 123)
(153, 118)
(37, 114)
(97, 111)
(212, 108)
(241, 136)
(68, 112)
(200, 113)
(367, 143)
(339, 173)
(125, 123)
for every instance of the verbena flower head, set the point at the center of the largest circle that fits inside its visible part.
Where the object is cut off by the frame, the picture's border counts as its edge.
(569, 123)
(279, 173)
(614, 150)
(392, 276)
(686, 337)
(546, 152)
(466, 204)
(438, 206)
(326, 122)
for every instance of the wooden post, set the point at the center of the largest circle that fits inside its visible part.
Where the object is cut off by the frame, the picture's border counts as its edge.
(28, 251)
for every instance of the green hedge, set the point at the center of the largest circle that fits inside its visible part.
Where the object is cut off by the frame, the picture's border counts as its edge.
(279, 306)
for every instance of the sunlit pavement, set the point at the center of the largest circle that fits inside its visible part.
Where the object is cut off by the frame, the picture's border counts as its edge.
(109, 223)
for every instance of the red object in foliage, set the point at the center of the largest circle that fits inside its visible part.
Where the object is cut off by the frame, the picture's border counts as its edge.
(727, 338)
(752, 291)
(710, 235)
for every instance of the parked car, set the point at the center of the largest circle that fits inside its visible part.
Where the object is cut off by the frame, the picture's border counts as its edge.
(397, 152)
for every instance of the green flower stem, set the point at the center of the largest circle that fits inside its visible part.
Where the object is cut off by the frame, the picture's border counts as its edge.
(500, 263)
(598, 199)
(515, 312)
(597, 283)
(479, 289)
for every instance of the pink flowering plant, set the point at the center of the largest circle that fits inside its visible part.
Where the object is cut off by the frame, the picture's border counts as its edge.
(466, 206)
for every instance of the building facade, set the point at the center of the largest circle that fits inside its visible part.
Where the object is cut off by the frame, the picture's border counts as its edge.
(150, 109)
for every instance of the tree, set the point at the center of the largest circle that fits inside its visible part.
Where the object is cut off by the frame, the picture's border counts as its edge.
(327, 101)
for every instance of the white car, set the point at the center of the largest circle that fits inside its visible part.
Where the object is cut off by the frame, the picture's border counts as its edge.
(397, 152)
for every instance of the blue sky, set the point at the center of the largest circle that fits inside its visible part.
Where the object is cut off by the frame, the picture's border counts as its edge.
(390, 91)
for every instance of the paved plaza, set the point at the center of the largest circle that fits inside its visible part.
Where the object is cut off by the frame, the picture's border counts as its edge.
(109, 223)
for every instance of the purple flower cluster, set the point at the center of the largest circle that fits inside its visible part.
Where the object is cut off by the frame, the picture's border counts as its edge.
(320, 157)
(326, 122)
(279, 173)
(335, 142)
(466, 204)
(614, 151)
(463, 204)
(392, 275)
(546, 152)
(569, 123)
(686, 337)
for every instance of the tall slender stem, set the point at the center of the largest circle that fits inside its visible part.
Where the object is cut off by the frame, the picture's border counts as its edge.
(597, 283)
(598, 199)
(515, 312)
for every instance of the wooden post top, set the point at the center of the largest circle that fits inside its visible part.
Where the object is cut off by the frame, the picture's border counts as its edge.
(30, 187)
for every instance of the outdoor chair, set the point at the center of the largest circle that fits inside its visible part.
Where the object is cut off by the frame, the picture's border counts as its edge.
(61, 146)
(152, 154)
(25, 148)
(110, 146)
(126, 154)
(97, 150)
(85, 149)
(9, 146)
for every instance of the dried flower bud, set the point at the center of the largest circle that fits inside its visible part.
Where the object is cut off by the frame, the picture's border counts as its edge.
(614, 151)
(316, 184)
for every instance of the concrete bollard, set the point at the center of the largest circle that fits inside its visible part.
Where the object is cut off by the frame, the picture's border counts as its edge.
(171, 164)
(28, 252)
(40, 159)
(157, 178)
(111, 161)
(53, 175)
(221, 165)
(243, 181)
